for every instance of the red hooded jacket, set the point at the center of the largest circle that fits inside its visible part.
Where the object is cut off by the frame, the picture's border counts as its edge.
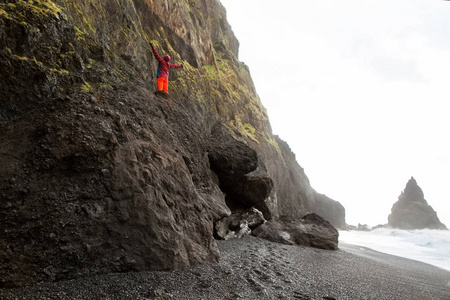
(164, 65)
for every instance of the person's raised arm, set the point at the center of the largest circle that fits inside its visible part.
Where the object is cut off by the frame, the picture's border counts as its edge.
(173, 66)
(155, 52)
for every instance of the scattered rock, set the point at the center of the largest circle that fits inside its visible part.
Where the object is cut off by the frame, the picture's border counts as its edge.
(312, 230)
(363, 227)
(160, 293)
(238, 224)
(379, 226)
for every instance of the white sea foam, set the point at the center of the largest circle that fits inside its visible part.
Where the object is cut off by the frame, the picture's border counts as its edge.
(428, 246)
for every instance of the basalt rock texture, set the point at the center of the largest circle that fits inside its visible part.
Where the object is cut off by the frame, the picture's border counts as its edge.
(412, 211)
(235, 165)
(111, 183)
(98, 173)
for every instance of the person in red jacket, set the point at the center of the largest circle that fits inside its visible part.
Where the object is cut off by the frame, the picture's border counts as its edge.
(162, 80)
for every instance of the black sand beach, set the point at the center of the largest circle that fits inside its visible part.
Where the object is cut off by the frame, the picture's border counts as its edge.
(251, 268)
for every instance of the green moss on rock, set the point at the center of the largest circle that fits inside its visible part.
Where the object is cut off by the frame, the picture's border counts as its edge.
(29, 11)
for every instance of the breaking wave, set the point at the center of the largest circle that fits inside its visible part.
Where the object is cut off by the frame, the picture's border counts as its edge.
(428, 246)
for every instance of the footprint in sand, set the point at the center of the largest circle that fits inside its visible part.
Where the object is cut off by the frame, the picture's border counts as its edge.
(257, 272)
(254, 284)
(298, 295)
(264, 276)
(278, 273)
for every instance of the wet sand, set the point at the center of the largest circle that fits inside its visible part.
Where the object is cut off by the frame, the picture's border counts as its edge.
(251, 268)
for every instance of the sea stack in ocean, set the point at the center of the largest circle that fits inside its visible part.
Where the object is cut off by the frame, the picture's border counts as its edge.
(412, 211)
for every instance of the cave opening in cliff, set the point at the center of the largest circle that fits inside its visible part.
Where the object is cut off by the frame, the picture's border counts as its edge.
(228, 189)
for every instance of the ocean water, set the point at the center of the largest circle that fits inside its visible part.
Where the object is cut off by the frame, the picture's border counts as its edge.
(428, 246)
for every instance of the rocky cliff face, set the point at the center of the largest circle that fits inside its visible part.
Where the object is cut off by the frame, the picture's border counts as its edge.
(412, 211)
(97, 173)
(294, 190)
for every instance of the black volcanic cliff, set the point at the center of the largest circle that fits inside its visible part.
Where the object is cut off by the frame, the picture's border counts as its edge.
(97, 173)
(412, 211)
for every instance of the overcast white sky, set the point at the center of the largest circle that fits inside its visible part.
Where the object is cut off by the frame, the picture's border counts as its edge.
(360, 89)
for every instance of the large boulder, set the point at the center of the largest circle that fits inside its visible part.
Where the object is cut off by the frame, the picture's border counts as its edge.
(412, 211)
(235, 165)
(312, 230)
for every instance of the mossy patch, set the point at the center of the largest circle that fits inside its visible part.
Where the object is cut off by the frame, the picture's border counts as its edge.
(271, 141)
(245, 129)
(4, 14)
(224, 87)
(227, 90)
(25, 12)
(86, 87)
(23, 58)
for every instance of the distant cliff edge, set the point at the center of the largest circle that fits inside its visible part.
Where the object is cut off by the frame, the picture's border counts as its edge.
(97, 173)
